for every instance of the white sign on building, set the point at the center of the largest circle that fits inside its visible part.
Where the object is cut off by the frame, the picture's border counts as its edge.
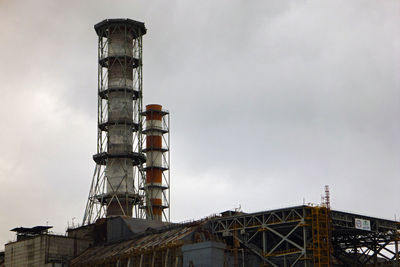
(362, 224)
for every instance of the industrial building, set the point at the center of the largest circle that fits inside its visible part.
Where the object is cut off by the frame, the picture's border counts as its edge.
(36, 247)
(126, 222)
(294, 236)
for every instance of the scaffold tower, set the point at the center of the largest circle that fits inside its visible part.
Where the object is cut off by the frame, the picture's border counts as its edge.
(119, 173)
(320, 225)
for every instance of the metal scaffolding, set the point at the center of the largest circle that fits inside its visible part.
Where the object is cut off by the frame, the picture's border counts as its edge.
(320, 226)
(119, 173)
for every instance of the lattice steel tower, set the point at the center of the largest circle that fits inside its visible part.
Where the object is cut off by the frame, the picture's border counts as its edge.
(118, 181)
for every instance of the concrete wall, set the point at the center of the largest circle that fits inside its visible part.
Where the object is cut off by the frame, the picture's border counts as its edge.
(43, 250)
(87, 232)
(204, 254)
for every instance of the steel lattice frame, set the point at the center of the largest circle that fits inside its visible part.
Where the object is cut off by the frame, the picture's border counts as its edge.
(102, 193)
(167, 174)
(278, 237)
(284, 237)
(356, 247)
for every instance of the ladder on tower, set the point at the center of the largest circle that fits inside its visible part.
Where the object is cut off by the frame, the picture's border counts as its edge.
(320, 225)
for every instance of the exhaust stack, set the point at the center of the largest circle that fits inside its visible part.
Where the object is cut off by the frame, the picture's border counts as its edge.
(157, 164)
(119, 159)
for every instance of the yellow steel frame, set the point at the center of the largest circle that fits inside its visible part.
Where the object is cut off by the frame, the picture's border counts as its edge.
(320, 223)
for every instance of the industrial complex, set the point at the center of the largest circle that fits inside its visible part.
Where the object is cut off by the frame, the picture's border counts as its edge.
(126, 222)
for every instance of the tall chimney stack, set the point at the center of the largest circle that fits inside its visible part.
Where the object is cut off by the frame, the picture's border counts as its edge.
(119, 159)
(157, 164)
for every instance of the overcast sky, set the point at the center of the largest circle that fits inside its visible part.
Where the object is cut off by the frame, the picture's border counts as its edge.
(269, 101)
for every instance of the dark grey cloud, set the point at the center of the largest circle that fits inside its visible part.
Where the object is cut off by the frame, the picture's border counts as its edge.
(269, 101)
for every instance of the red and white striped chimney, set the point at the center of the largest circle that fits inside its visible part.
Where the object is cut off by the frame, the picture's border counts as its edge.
(155, 164)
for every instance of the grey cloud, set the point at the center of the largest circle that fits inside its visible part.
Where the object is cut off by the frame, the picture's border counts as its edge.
(269, 101)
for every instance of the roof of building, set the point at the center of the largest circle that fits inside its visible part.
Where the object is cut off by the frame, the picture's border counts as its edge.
(147, 241)
(31, 230)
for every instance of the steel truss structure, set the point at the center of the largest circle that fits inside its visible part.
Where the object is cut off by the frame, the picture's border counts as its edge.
(119, 173)
(357, 247)
(287, 237)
